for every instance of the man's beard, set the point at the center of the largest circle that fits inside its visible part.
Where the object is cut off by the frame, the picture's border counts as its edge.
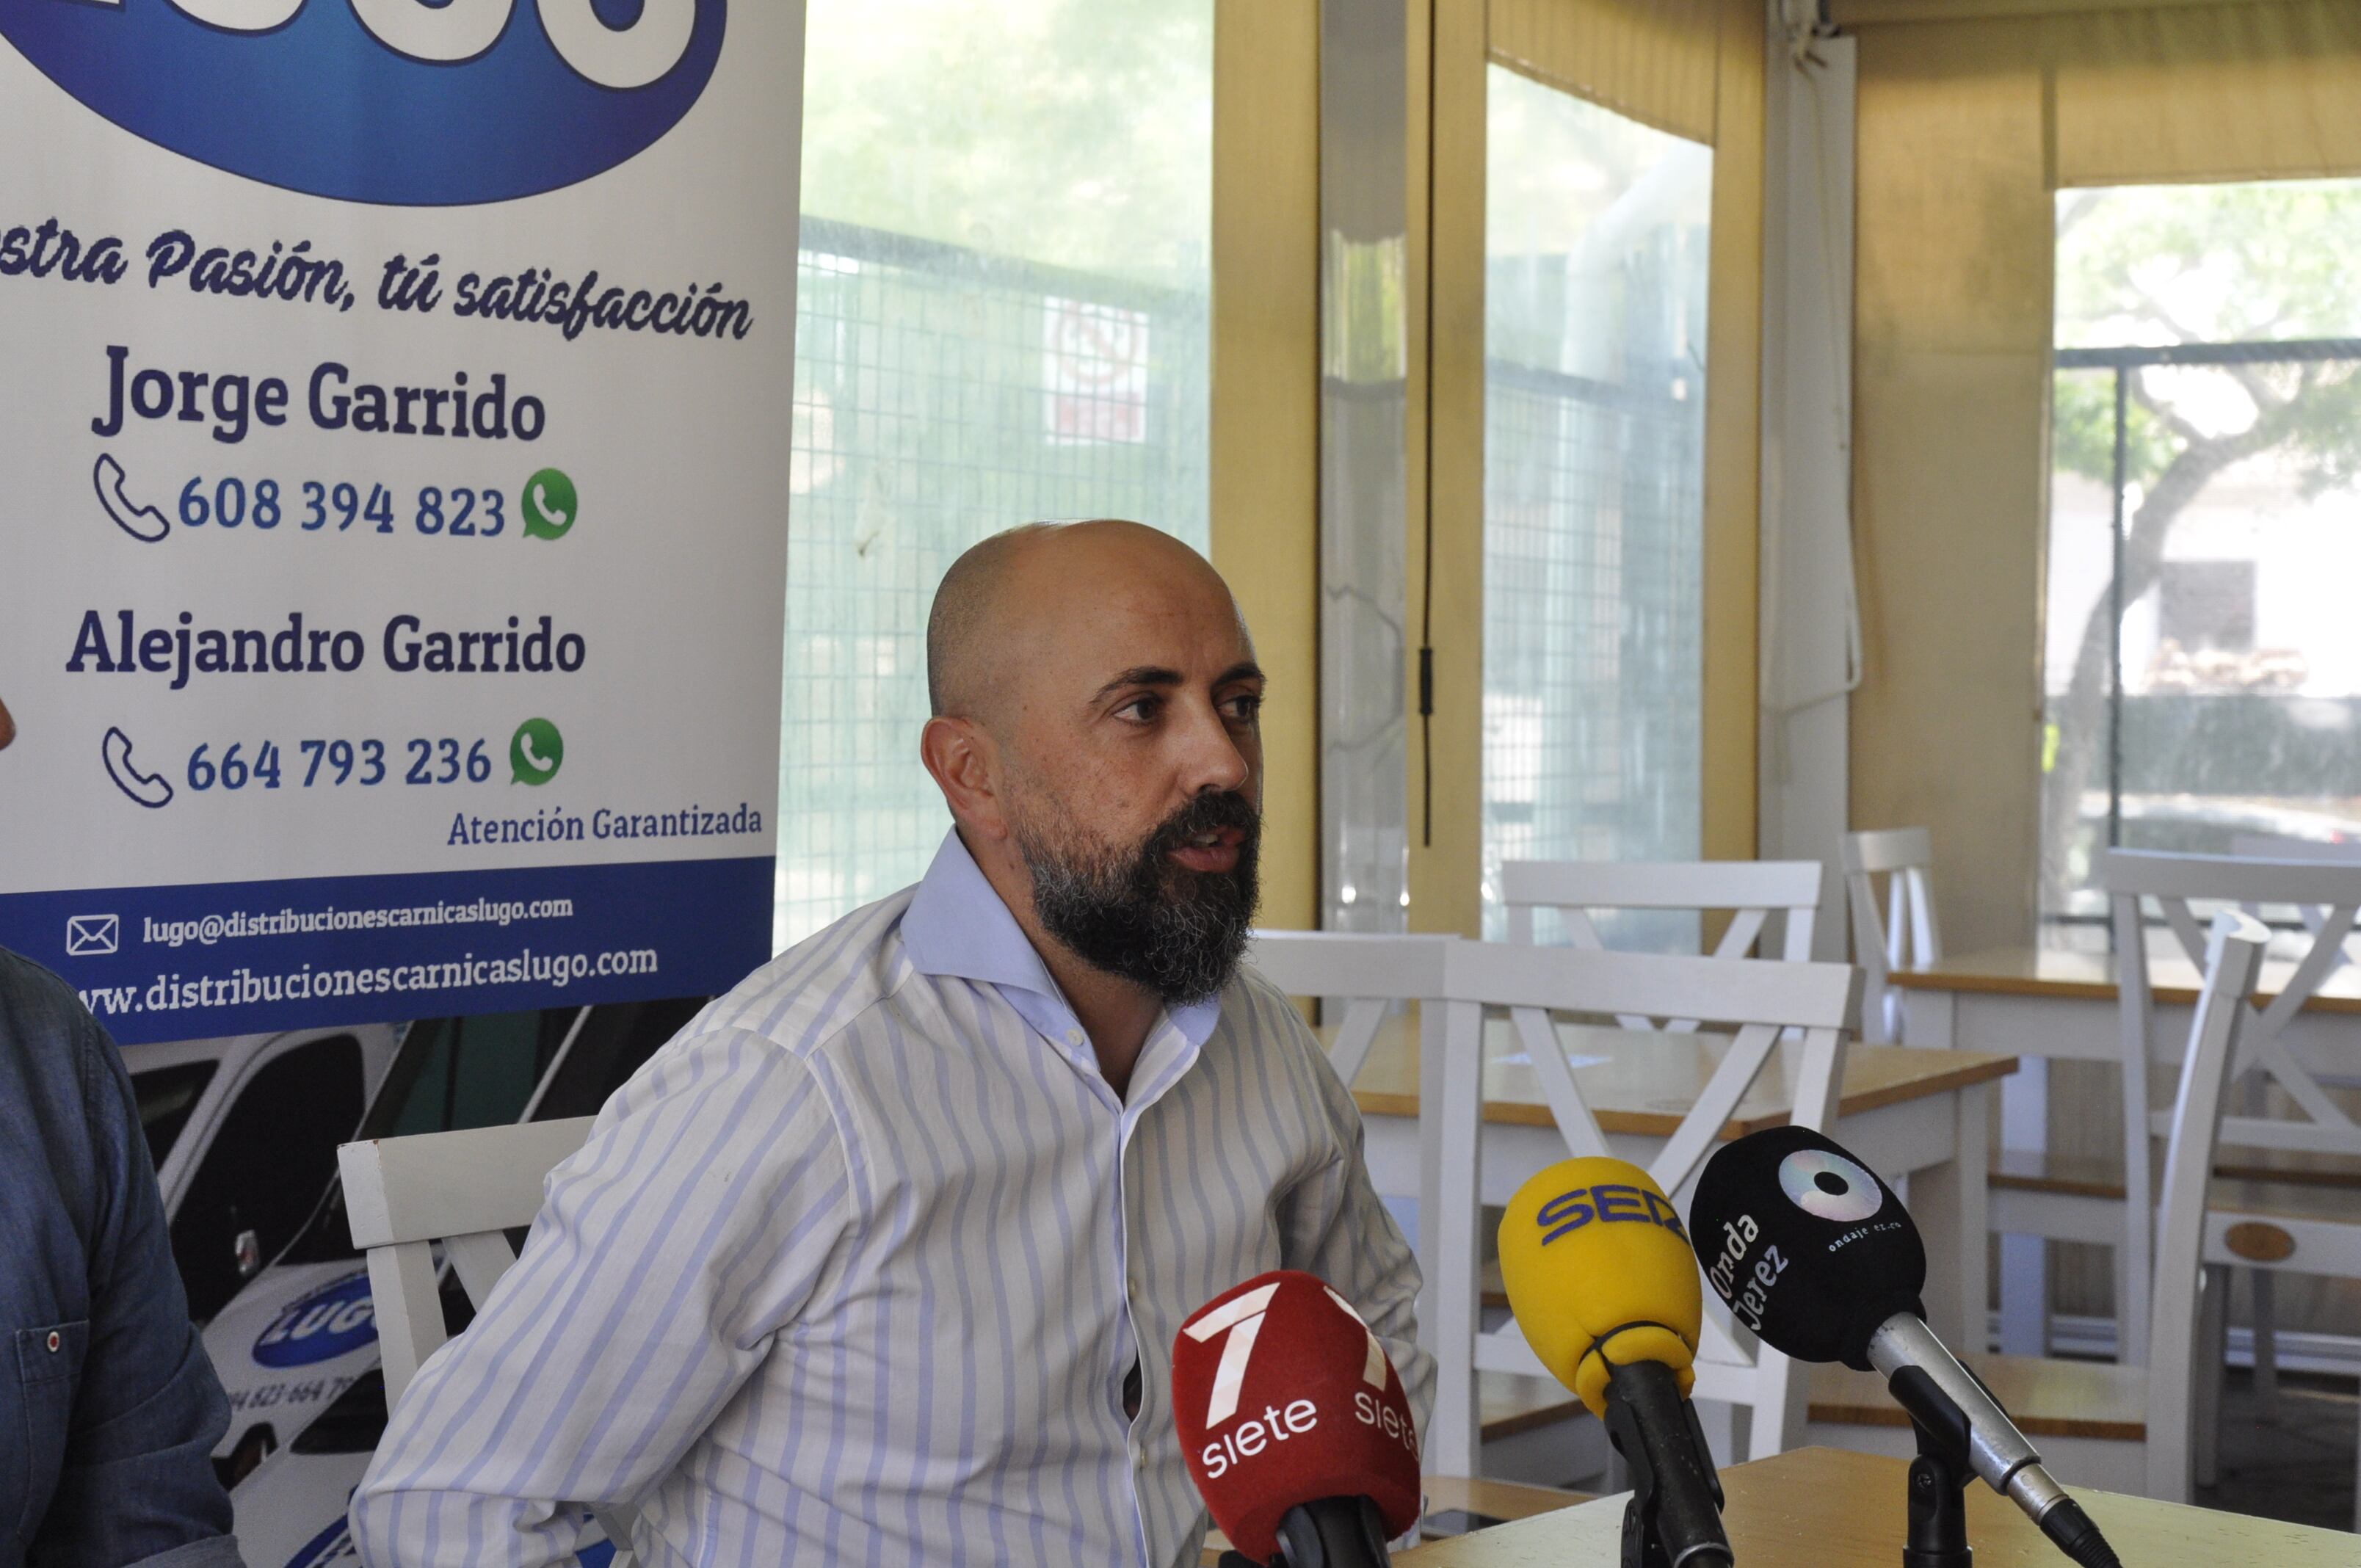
(1178, 934)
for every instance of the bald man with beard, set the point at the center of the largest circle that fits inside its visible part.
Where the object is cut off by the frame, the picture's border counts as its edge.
(881, 1259)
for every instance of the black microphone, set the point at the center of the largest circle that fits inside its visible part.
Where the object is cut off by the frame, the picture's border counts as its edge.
(1817, 1256)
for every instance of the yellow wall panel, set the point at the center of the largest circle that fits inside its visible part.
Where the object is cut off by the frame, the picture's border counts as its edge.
(1265, 405)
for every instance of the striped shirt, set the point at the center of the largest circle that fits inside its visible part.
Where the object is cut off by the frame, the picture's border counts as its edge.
(854, 1270)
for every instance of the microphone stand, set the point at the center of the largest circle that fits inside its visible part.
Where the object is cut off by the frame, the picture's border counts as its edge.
(1938, 1535)
(1332, 1532)
(1673, 1482)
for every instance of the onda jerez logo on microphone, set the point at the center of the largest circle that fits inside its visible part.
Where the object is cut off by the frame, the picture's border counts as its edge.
(1823, 1184)
(457, 101)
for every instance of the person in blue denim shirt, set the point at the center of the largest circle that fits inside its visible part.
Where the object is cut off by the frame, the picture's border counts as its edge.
(109, 1410)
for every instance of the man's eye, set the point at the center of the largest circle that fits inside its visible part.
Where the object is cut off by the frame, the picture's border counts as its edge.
(1139, 709)
(1245, 706)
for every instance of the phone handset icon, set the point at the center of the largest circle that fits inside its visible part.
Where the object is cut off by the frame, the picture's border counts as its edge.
(551, 504)
(535, 752)
(142, 523)
(153, 790)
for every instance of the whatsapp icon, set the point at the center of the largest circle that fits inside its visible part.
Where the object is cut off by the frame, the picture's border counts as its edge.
(549, 505)
(535, 752)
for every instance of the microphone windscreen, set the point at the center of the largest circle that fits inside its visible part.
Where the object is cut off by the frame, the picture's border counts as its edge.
(1599, 1274)
(1283, 1395)
(1809, 1248)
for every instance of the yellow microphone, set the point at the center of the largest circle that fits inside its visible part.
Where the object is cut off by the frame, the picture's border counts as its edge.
(1600, 1273)
(1604, 1283)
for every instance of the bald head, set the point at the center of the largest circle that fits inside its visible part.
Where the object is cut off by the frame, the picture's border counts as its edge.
(1007, 592)
(1098, 738)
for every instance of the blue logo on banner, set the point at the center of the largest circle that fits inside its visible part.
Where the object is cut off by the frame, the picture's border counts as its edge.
(407, 102)
(337, 1317)
(334, 1544)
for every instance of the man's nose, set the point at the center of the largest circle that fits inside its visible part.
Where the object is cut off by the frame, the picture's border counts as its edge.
(1212, 759)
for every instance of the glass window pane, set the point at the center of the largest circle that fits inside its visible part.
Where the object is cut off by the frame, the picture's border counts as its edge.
(2203, 677)
(1002, 316)
(272, 1154)
(1595, 289)
(166, 1096)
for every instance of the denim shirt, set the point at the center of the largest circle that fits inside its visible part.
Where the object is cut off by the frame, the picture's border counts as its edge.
(108, 1409)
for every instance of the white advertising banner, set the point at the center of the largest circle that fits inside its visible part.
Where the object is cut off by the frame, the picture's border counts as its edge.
(395, 402)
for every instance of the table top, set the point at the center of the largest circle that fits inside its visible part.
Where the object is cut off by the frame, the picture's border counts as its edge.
(1824, 1507)
(1641, 1083)
(2091, 977)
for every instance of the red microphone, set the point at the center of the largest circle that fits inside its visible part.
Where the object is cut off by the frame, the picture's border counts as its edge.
(1295, 1425)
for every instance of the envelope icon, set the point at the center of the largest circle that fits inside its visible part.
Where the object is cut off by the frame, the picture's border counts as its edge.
(92, 936)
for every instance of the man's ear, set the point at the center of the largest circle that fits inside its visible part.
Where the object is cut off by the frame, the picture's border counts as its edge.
(965, 763)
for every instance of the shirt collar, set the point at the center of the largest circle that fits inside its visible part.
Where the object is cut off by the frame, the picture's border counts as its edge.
(957, 925)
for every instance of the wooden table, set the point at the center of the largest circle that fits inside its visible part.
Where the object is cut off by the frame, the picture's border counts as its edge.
(2041, 1004)
(1912, 1114)
(1824, 1507)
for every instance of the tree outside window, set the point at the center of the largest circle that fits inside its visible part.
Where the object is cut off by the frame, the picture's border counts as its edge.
(2202, 660)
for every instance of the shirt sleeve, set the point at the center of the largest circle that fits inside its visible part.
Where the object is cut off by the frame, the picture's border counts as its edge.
(1335, 1225)
(692, 1226)
(136, 1481)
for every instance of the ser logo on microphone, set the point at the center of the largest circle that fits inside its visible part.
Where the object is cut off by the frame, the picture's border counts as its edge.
(1609, 1203)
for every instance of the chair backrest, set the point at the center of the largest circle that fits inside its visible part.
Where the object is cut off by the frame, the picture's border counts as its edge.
(2318, 1124)
(463, 1190)
(1369, 974)
(1750, 889)
(2277, 847)
(1905, 936)
(1817, 1002)
(2233, 959)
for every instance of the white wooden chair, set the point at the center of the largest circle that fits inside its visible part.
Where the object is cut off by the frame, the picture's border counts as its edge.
(2315, 1123)
(1750, 889)
(2276, 847)
(1758, 1000)
(2188, 1312)
(2257, 1236)
(2120, 1428)
(1905, 936)
(1372, 975)
(463, 1190)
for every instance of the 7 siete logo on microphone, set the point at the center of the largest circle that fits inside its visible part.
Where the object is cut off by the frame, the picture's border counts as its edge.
(1238, 1426)
(1237, 1322)
(1282, 1396)
(467, 100)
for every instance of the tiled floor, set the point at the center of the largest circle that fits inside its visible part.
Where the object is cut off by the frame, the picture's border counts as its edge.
(2300, 1466)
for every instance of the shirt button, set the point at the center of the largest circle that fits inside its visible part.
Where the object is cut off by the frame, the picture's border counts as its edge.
(1073, 1037)
(54, 1341)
